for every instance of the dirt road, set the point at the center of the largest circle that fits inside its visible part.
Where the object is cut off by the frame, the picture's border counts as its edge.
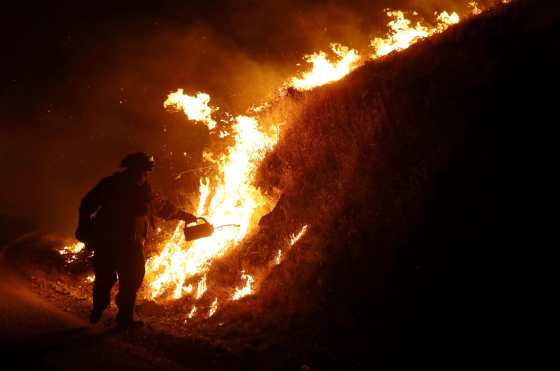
(35, 334)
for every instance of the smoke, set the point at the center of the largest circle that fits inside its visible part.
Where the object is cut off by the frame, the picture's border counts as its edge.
(85, 86)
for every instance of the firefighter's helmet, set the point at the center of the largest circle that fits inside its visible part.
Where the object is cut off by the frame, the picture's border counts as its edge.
(138, 161)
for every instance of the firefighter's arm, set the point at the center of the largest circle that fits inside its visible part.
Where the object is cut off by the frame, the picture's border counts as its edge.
(166, 210)
(186, 217)
(89, 205)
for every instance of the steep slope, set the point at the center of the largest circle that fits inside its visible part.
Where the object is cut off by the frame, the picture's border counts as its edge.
(406, 173)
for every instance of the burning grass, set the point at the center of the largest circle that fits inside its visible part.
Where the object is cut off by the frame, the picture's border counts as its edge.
(377, 177)
(312, 175)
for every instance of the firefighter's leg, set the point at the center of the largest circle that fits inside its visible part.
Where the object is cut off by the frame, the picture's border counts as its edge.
(105, 278)
(131, 274)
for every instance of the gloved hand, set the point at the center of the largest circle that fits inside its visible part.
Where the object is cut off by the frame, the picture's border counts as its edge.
(186, 217)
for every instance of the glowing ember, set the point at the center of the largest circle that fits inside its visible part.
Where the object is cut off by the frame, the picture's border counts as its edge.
(188, 289)
(201, 288)
(278, 259)
(246, 289)
(213, 308)
(474, 8)
(90, 278)
(72, 249)
(192, 312)
(296, 237)
(403, 33)
(324, 71)
(444, 20)
(196, 108)
(71, 252)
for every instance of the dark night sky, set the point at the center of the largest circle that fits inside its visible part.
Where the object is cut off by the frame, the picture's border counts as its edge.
(83, 85)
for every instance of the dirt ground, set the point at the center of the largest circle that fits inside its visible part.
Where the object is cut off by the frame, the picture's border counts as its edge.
(43, 326)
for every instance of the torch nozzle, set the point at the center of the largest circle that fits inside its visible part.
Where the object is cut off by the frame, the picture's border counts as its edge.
(226, 226)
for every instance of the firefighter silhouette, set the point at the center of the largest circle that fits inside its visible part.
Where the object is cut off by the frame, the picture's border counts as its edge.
(113, 222)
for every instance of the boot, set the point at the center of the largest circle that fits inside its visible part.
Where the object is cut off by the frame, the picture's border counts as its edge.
(95, 315)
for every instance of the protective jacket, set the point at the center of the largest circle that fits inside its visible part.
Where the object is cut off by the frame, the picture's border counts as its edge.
(119, 210)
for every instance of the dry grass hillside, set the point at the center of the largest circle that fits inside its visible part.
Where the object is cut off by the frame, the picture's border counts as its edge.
(408, 172)
(412, 174)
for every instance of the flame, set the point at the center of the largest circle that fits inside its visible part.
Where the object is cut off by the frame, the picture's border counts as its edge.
(192, 312)
(213, 308)
(444, 20)
(246, 289)
(196, 108)
(166, 269)
(227, 198)
(403, 34)
(323, 70)
(90, 278)
(296, 237)
(188, 289)
(201, 288)
(72, 249)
